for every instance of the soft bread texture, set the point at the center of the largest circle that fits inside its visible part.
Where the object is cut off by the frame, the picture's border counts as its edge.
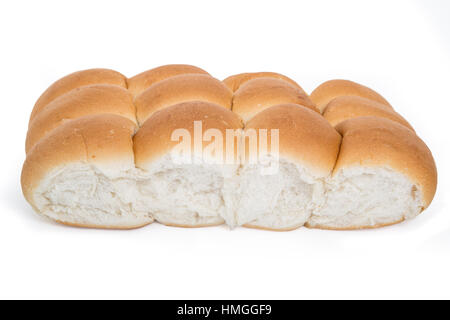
(374, 141)
(329, 90)
(191, 193)
(81, 174)
(76, 80)
(234, 82)
(308, 148)
(384, 174)
(259, 94)
(104, 152)
(182, 88)
(83, 101)
(141, 82)
(348, 107)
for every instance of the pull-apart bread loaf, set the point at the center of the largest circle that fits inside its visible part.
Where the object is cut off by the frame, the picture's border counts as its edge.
(177, 146)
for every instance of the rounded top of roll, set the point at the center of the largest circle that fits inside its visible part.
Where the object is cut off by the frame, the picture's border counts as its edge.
(182, 88)
(235, 81)
(374, 141)
(83, 101)
(103, 140)
(154, 139)
(305, 137)
(259, 94)
(76, 80)
(346, 107)
(329, 90)
(144, 80)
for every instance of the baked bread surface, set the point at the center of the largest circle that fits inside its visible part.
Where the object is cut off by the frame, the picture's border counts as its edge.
(99, 153)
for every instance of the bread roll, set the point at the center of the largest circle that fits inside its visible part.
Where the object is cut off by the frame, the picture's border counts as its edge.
(182, 88)
(285, 198)
(329, 90)
(384, 174)
(87, 100)
(234, 82)
(76, 80)
(259, 94)
(141, 82)
(346, 107)
(83, 174)
(190, 194)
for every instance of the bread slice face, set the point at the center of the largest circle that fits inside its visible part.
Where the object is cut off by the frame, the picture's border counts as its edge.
(184, 195)
(384, 174)
(366, 197)
(282, 201)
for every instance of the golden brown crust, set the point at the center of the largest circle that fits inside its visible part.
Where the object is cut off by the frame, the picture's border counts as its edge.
(104, 140)
(261, 93)
(374, 141)
(191, 226)
(141, 82)
(348, 107)
(250, 226)
(93, 226)
(377, 226)
(329, 90)
(235, 81)
(83, 101)
(153, 139)
(182, 88)
(76, 80)
(304, 136)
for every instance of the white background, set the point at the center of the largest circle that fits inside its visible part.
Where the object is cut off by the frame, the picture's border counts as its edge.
(399, 48)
